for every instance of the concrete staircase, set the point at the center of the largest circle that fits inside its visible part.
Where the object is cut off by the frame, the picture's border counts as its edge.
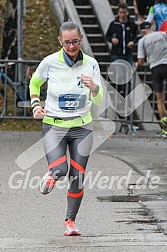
(94, 33)
(96, 37)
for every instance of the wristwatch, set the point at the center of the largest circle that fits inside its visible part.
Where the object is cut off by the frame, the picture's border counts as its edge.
(96, 90)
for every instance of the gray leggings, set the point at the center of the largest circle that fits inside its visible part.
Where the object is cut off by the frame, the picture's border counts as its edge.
(79, 141)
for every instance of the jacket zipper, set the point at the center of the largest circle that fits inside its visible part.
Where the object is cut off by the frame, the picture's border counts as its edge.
(123, 36)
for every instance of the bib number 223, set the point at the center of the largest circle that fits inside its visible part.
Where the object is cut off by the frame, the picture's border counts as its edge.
(71, 101)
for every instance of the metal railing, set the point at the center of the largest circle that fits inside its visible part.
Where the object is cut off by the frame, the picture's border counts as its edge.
(14, 88)
(15, 100)
(131, 104)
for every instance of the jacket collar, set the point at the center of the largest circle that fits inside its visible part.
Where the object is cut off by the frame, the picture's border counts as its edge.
(63, 57)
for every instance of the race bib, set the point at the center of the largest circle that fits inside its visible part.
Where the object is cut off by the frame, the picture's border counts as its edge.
(71, 101)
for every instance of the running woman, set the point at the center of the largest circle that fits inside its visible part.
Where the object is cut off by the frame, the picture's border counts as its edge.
(73, 83)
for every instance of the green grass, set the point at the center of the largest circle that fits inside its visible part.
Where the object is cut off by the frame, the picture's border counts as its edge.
(40, 31)
(20, 125)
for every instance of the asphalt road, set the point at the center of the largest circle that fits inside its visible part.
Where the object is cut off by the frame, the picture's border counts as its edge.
(124, 206)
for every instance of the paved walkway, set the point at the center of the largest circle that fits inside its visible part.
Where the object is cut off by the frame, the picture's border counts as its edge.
(124, 210)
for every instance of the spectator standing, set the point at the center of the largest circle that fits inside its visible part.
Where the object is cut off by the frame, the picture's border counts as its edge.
(122, 34)
(153, 46)
(158, 12)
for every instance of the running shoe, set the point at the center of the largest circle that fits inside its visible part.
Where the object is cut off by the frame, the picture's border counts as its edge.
(162, 133)
(70, 228)
(163, 123)
(47, 184)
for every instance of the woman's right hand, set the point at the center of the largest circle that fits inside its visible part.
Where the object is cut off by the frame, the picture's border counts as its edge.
(39, 113)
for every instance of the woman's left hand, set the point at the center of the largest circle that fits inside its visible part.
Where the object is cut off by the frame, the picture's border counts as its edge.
(88, 82)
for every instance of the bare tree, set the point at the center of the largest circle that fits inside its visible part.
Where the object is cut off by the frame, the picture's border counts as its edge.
(9, 45)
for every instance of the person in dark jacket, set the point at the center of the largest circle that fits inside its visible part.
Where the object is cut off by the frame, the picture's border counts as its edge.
(122, 33)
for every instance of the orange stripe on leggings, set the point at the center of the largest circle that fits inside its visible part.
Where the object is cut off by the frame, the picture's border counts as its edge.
(57, 162)
(75, 195)
(77, 166)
